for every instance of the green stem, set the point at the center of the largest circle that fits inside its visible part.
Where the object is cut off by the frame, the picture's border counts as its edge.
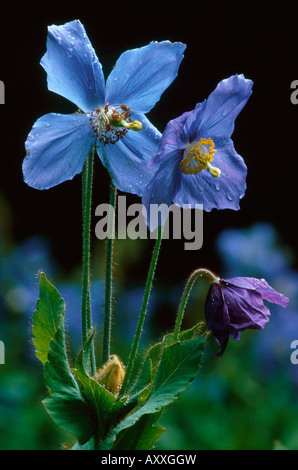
(86, 210)
(109, 275)
(148, 286)
(189, 284)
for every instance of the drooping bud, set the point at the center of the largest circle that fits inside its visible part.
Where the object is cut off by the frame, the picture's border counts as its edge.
(111, 374)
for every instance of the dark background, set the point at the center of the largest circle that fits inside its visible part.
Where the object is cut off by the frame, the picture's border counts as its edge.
(221, 41)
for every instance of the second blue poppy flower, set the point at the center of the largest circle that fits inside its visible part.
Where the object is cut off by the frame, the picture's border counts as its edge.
(196, 162)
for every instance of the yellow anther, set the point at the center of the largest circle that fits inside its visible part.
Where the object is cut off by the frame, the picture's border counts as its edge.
(198, 157)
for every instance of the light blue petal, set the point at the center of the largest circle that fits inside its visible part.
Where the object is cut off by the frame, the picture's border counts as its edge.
(127, 160)
(141, 75)
(173, 138)
(215, 117)
(223, 192)
(162, 189)
(57, 147)
(72, 66)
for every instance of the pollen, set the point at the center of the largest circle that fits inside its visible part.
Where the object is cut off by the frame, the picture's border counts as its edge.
(199, 157)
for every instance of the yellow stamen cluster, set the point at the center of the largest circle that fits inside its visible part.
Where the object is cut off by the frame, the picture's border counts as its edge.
(199, 157)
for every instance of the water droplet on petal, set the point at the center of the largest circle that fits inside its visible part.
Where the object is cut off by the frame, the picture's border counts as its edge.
(229, 197)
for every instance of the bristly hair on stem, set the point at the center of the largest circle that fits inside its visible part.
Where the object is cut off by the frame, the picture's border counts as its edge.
(109, 276)
(189, 285)
(86, 216)
(148, 287)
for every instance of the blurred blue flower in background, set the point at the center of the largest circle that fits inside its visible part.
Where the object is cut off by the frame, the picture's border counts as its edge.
(253, 251)
(19, 267)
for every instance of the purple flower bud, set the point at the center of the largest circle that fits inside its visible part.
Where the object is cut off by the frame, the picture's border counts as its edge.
(235, 304)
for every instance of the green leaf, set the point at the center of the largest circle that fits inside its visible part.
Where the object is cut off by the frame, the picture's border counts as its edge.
(153, 357)
(178, 366)
(47, 317)
(141, 436)
(66, 404)
(102, 402)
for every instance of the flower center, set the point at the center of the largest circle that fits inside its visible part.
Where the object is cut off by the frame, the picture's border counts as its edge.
(198, 157)
(111, 124)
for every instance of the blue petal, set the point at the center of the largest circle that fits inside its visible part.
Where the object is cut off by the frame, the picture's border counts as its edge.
(162, 188)
(127, 160)
(57, 148)
(72, 66)
(215, 117)
(261, 286)
(173, 138)
(141, 75)
(223, 192)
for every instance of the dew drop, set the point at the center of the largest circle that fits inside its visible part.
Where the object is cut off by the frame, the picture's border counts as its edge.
(229, 197)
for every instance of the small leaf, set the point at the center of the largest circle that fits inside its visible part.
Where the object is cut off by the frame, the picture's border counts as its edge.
(82, 362)
(47, 317)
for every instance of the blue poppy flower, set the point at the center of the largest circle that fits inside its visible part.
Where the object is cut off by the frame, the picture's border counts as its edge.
(110, 115)
(235, 304)
(196, 162)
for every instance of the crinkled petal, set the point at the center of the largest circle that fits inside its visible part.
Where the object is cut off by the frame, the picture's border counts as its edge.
(215, 117)
(262, 287)
(72, 67)
(162, 189)
(57, 147)
(141, 75)
(223, 192)
(246, 309)
(127, 159)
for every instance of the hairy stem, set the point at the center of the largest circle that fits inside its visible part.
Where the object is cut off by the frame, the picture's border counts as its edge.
(148, 286)
(109, 275)
(86, 212)
(189, 284)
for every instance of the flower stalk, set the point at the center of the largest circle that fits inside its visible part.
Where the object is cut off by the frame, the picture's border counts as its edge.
(189, 285)
(86, 213)
(148, 287)
(109, 275)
